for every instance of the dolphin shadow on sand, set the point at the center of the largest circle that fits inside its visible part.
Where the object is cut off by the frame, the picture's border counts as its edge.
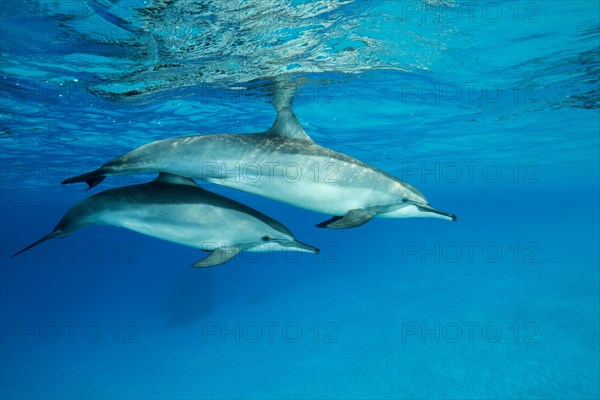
(191, 298)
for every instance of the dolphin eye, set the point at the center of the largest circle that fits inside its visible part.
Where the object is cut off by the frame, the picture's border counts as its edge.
(266, 238)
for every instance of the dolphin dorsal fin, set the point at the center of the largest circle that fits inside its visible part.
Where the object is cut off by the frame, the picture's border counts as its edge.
(165, 177)
(287, 125)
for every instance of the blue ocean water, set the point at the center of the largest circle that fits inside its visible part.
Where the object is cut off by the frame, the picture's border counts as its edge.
(491, 109)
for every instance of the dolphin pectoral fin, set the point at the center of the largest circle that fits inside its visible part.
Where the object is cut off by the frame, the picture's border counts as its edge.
(94, 181)
(329, 221)
(353, 218)
(91, 178)
(164, 177)
(218, 256)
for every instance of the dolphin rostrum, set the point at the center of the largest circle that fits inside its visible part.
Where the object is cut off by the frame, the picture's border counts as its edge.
(283, 164)
(176, 209)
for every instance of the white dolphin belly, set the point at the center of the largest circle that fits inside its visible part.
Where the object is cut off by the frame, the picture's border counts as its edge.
(202, 227)
(332, 199)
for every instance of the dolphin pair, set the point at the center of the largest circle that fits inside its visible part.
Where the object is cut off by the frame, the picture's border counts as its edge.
(283, 164)
(176, 209)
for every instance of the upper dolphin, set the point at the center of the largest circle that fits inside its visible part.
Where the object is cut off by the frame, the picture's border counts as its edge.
(284, 164)
(176, 209)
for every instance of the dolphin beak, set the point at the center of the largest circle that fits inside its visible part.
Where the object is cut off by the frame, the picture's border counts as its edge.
(442, 214)
(301, 246)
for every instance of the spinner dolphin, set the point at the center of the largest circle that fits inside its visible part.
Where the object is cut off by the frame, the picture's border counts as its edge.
(283, 164)
(176, 209)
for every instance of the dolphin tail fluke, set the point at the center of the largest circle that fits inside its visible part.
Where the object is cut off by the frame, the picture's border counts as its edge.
(91, 178)
(51, 235)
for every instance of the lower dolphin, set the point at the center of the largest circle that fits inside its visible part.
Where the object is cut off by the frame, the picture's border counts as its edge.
(176, 209)
(282, 164)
